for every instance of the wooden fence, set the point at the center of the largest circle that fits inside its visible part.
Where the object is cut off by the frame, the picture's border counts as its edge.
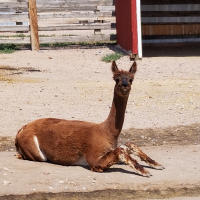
(93, 20)
(58, 21)
(167, 21)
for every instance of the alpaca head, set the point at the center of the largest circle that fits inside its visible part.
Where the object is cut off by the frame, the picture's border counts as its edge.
(123, 79)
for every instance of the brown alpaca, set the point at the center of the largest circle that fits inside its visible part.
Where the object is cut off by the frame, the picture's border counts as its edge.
(70, 142)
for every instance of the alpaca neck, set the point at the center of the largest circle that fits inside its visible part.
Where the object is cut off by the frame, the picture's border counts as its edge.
(115, 119)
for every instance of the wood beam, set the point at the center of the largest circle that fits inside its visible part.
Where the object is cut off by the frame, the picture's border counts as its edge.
(35, 45)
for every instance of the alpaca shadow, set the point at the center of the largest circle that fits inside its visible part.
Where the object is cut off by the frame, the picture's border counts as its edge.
(149, 167)
(115, 169)
(112, 170)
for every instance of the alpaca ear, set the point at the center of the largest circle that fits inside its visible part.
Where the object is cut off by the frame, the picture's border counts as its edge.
(133, 68)
(114, 67)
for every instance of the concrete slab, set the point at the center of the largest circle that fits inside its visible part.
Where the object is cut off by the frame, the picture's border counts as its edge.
(181, 176)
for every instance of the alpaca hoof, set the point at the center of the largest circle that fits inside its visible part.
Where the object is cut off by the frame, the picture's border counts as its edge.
(146, 174)
(97, 169)
(158, 167)
(19, 156)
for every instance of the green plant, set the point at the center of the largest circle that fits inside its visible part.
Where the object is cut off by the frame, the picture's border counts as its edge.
(111, 57)
(7, 48)
(86, 44)
(21, 35)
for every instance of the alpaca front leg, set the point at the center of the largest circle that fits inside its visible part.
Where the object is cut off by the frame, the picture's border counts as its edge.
(127, 159)
(133, 149)
(120, 154)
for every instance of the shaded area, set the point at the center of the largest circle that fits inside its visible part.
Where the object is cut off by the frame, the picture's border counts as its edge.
(7, 144)
(173, 50)
(23, 69)
(10, 74)
(179, 135)
(109, 194)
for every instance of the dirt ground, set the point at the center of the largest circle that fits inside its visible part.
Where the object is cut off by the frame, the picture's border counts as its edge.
(163, 115)
(163, 107)
(22, 179)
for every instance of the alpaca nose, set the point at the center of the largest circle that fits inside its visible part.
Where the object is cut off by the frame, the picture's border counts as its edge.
(124, 83)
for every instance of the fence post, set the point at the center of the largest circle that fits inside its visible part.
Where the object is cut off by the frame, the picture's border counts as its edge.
(35, 45)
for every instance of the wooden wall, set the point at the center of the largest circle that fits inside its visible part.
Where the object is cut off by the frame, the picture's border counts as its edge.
(76, 20)
(170, 20)
(12, 12)
(58, 21)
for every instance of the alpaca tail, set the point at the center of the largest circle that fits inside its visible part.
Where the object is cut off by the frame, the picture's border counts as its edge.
(19, 152)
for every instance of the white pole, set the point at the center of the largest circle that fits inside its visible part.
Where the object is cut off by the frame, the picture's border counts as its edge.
(139, 29)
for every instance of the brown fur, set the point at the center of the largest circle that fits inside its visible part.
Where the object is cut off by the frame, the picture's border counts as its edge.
(66, 142)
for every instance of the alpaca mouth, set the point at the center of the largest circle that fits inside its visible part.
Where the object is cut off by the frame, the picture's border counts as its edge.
(125, 91)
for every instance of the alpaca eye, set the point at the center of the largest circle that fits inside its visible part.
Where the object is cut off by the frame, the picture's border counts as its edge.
(117, 80)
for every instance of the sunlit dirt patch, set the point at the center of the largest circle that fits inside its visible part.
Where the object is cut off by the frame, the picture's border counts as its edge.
(15, 74)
